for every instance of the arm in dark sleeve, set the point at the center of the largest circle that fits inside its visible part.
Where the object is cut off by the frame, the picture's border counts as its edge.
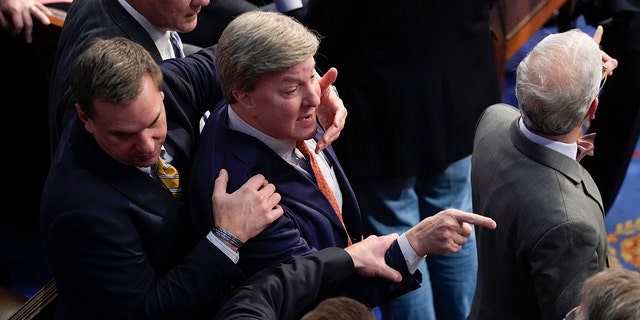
(374, 291)
(287, 291)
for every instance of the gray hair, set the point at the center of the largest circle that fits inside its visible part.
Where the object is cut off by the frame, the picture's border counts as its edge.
(612, 294)
(111, 70)
(257, 43)
(557, 81)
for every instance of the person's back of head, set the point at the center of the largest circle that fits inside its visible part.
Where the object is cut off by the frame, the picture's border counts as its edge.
(557, 82)
(612, 294)
(111, 70)
(257, 43)
(340, 308)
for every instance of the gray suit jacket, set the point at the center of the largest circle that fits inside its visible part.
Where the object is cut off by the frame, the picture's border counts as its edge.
(551, 234)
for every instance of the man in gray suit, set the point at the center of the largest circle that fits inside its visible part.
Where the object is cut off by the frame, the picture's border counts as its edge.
(525, 175)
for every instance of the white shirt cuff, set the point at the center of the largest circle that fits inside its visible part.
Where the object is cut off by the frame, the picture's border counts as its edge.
(412, 259)
(234, 256)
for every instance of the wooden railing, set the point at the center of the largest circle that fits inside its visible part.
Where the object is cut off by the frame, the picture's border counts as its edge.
(514, 21)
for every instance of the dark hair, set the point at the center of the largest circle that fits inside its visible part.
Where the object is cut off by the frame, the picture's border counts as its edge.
(111, 70)
(340, 308)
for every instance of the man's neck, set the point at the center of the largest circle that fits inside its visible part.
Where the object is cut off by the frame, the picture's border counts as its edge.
(570, 137)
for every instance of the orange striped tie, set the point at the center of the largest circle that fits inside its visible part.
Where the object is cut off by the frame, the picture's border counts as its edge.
(322, 183)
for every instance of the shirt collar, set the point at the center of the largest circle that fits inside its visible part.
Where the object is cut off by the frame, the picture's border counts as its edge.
(159, 37)
(568, 149)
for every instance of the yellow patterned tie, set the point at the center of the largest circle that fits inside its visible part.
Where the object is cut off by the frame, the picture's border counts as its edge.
(169, 176)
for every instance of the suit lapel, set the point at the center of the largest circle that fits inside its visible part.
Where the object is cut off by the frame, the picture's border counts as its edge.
(132, 28)
(292, 184)
(131, 182)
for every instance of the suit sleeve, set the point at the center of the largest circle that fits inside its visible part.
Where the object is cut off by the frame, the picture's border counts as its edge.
(192, 83)
(560, 263)
(287, 291)
(374, 291)
(104, 272)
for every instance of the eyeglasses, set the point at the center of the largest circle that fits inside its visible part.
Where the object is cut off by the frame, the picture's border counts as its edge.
(573, 314)
(605, 71)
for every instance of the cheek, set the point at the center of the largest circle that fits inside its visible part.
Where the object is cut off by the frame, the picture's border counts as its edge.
(160, 133)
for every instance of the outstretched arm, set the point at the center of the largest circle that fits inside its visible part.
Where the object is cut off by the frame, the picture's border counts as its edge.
(445, 232)
(288, 290)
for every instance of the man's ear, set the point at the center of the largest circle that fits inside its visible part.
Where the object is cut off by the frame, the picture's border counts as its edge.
(245, 100)
(592, 108)
(83, 116)
(88, 125)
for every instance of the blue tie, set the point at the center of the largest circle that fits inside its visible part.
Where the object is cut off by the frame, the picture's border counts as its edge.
(176, 44)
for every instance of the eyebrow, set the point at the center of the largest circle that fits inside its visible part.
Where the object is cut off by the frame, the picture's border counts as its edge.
(154, 121)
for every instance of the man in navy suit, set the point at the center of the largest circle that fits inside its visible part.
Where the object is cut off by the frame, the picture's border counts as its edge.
(147, 22)
(115, 236)
(266, 63)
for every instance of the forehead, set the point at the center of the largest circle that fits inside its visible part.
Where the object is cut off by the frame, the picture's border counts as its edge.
(131, 116)
(299, 72)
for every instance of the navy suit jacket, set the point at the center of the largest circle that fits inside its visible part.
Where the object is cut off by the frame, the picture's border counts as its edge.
(551, 234)
(85, 21)
(309, 222)
(115, 237)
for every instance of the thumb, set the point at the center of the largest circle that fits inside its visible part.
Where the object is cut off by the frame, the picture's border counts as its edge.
(220, 185)
(390, 274)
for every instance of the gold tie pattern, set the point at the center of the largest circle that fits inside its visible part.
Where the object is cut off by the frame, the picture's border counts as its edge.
(170, 177)
(322, 182)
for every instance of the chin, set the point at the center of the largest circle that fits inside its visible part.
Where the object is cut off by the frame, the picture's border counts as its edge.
(312, 134)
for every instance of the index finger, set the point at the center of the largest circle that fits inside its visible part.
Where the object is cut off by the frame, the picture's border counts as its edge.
(597, 36)
(256, 182)
(475, 219)
(328, 79)
(332, 132)
(27, 26)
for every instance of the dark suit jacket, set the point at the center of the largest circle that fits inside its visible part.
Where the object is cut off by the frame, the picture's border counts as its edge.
(551, 235)
(214, 17)
(415, 76)
(114, 236)
(288, 291)
(87, 20)
(309, 222)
